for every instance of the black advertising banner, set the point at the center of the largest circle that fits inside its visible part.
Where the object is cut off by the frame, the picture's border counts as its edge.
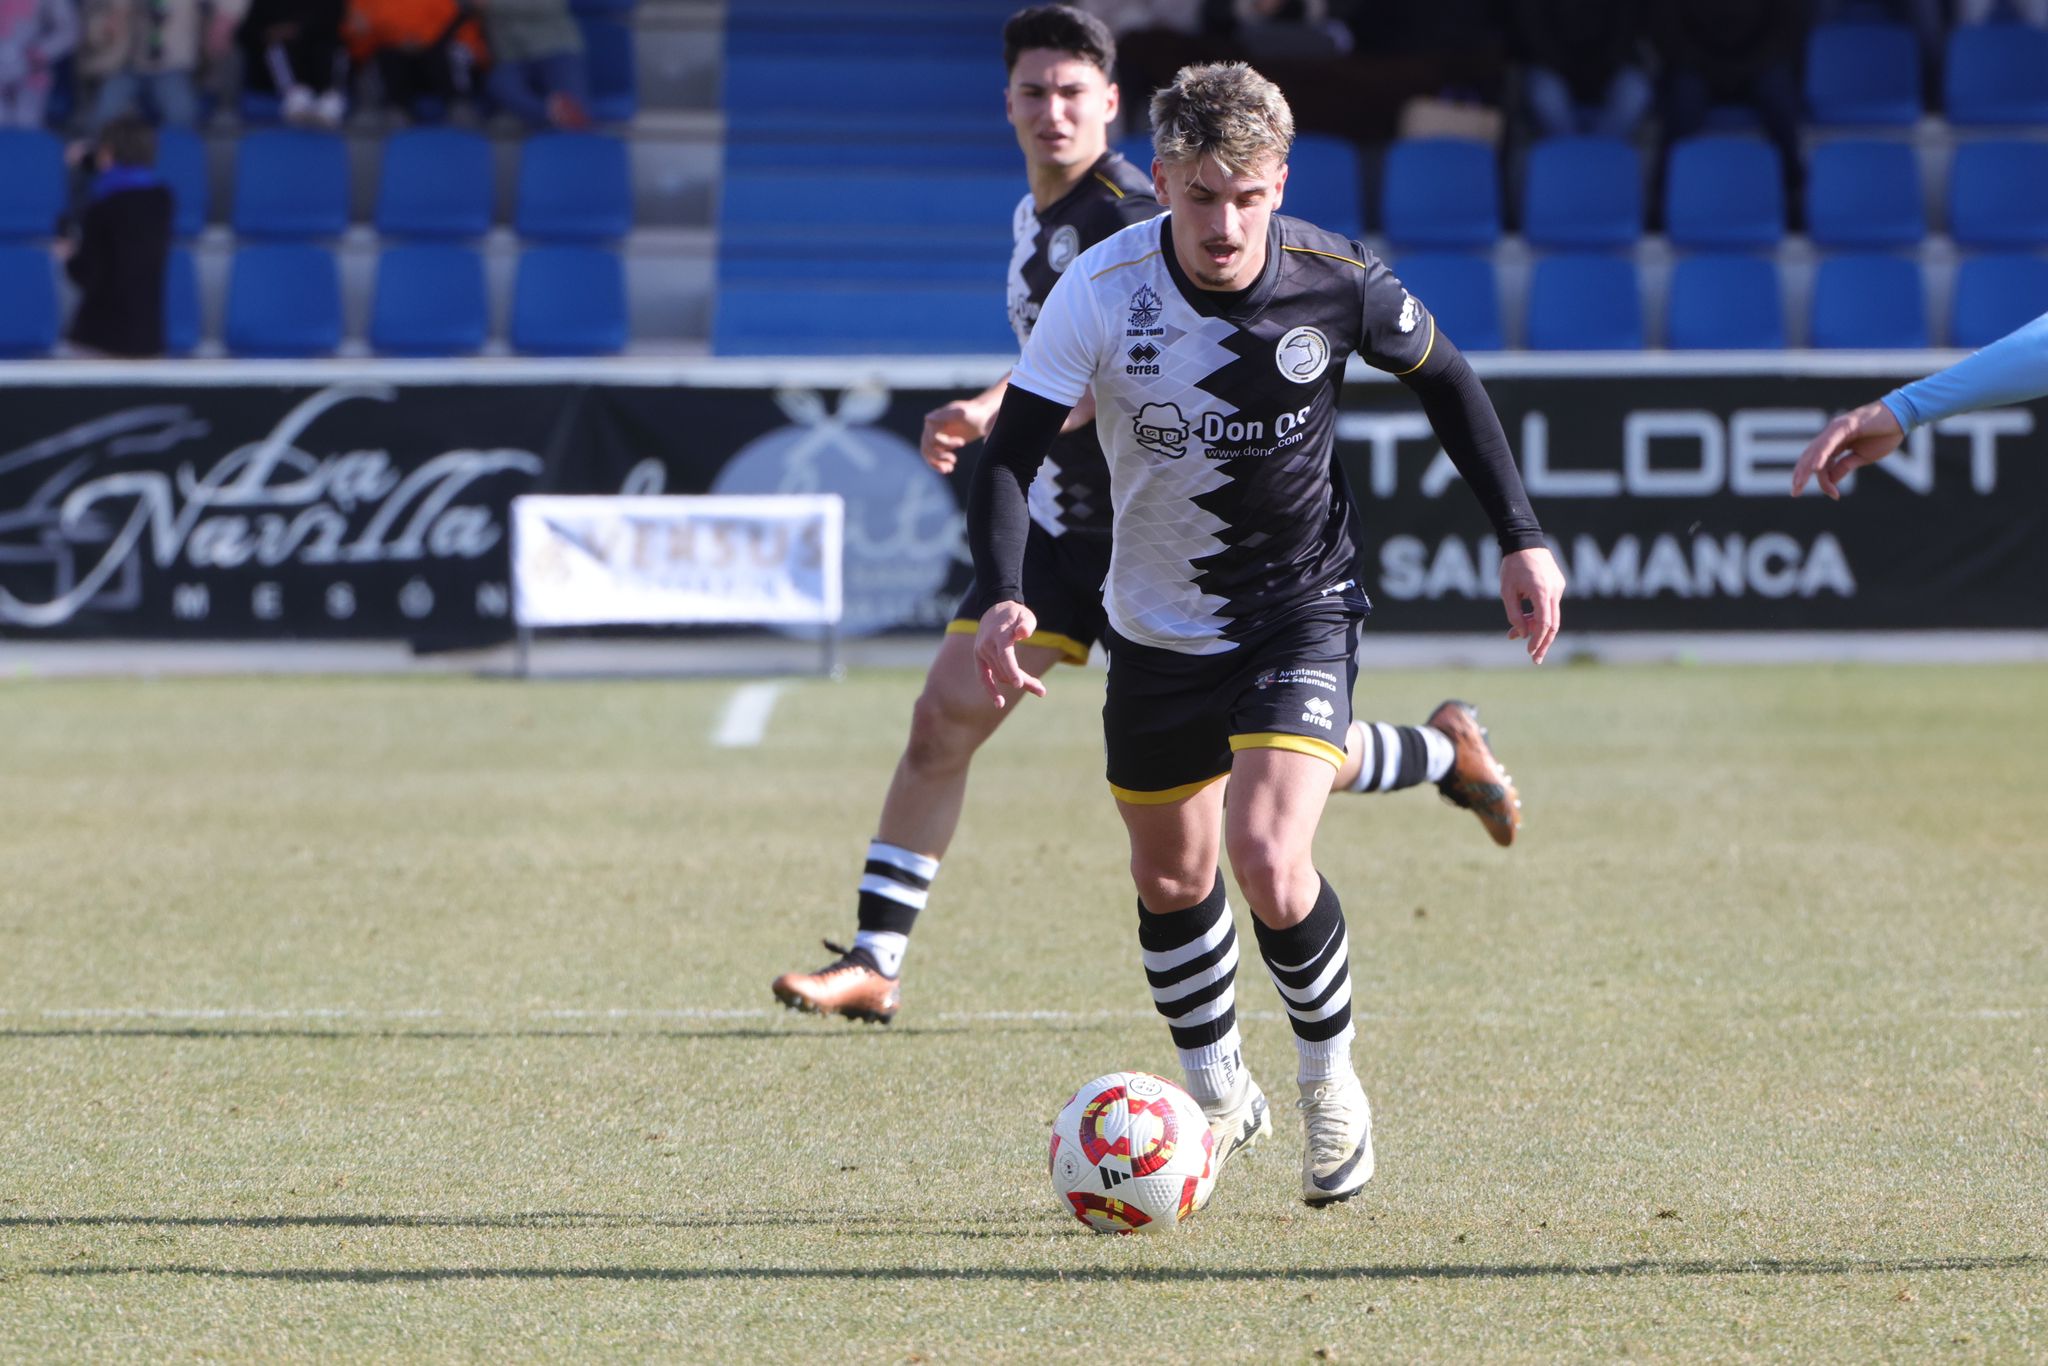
(376, 507)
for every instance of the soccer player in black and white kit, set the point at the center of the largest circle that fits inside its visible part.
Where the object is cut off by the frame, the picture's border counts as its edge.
(1061, 101)
(1233, 597)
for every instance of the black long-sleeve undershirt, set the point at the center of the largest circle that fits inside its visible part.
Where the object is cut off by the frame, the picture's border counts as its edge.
(998, 520)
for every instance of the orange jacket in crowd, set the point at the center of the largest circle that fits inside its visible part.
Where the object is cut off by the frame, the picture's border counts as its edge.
(373, 26)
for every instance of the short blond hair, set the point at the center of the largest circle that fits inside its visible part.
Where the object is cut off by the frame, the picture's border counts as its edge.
(1223, 110)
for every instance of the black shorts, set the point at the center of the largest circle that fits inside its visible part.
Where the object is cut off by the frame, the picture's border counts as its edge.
(1063, 578)
(1172, 721)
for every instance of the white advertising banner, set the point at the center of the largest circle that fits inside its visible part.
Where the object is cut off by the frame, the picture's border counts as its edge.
(585, 560)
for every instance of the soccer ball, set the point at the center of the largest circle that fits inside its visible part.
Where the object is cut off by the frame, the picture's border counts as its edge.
(1130, 1154)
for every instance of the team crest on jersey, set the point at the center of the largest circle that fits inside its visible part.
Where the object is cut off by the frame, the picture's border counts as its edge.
(1411, 313)
(1303, 354)
(1160, 428)
(1146, 306)
(1064, 247)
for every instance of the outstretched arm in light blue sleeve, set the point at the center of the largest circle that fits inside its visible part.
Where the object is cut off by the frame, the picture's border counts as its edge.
(2010, 370)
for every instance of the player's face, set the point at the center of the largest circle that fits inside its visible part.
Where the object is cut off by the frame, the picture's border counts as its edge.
(1061, 106)
(1219, 220)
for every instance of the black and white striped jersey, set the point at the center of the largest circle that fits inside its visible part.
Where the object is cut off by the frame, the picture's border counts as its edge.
(1071, 492)
(1217, 413)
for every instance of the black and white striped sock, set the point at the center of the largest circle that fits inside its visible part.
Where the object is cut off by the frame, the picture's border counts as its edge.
(893, 888)
(1309, 963)
(1394, 757)
(1191, 964)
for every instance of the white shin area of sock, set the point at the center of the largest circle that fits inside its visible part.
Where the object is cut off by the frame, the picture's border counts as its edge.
(1212, 1069)
(1324, 1060)
(1441, 753)
(887, 947)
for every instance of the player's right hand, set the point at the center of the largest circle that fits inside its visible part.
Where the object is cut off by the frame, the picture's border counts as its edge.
(1859, 437)
(949, 428)
(1002, 627)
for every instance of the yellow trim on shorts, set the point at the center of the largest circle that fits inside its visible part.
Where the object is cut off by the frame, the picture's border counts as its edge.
(1167, 797)
(1074, 651)
(1300, 744)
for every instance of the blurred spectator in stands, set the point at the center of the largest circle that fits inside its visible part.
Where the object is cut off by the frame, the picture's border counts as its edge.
(146, 54)
(1353, 68)
(1585, 71)
(292, 49)
(1734, 53)
(117, 251)
(34, 36)
(426, 52)
(2033, 12)
(537, 69)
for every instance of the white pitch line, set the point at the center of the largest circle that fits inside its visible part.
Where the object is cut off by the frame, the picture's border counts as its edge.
(745, 718)
(335, 1014)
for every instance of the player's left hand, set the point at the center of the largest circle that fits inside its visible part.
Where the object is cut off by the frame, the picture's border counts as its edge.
(1532, 589)
(995, 652)
(1859, 437)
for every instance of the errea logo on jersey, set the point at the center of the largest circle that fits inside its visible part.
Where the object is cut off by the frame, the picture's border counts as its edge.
(1318, 712)
(1303, 355)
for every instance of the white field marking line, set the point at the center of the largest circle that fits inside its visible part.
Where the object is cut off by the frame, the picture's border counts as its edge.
(745, 718)
(344, 1013)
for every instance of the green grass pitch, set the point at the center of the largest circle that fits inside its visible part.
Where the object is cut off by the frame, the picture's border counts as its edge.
(429, 1018)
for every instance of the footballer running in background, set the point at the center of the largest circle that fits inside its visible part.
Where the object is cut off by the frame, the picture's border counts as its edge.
(1234, 604)
(1062, 102)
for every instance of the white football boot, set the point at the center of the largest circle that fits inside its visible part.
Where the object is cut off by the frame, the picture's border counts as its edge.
(1236, 1125)
(1338, 1159)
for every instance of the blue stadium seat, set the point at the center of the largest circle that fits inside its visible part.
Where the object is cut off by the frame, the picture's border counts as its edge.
(608, 58)
(284, 299)
(1997, 74)
(28, 282)
(1998, 194)
(1726, 302)
(181, 303)
(1994, 295)
(861, 320)
(435, 182)
(574, 187)
(569, 301)
(1323, 183)
(1440, 192)
(620, 7)
(968, 151)
(1864, 194)
(1585, 302)
(429, 301)
(1460, 289)
(1724, 192)
(1583, 192)
(181, 161)
(823, 91)
(290, 183)
(908, 206)
(1863, 74)
(1869, 301)
(33, 183)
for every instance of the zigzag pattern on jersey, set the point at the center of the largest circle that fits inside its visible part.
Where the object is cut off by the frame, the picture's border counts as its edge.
(1162, 528)
(1282, 491)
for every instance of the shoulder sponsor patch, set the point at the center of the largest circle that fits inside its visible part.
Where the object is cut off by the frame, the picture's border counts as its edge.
(1064, 247)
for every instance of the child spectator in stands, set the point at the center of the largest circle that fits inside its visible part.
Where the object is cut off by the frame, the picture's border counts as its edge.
(34, 36)
(426, 52)
(537, 68)
(147, 52)
(292, 49)
(123, 240)
(1734, 53)
(1585, 72)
